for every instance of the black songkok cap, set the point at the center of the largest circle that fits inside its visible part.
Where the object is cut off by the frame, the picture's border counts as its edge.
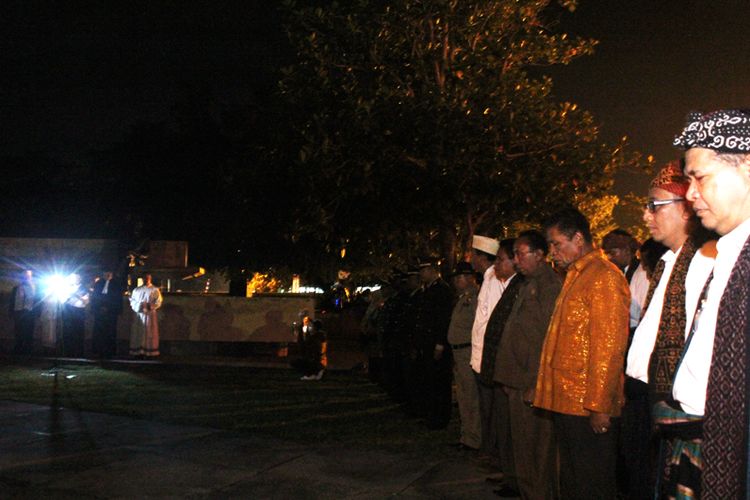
(726, 131)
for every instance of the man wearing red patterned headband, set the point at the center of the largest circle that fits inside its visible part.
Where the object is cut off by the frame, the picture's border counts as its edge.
(711, 379)
(660, 337)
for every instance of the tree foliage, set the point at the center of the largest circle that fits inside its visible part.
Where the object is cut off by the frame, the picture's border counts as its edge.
(420, 122)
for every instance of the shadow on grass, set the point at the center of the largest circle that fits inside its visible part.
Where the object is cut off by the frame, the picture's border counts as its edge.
(342, 409)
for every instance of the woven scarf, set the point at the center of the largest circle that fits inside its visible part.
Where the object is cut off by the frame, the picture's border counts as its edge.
(670, 338)
(725, 444)
(681, 443)
(653, 282)
(495, 327)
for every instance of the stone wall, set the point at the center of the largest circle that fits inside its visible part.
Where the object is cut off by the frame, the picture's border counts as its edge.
(188, 319)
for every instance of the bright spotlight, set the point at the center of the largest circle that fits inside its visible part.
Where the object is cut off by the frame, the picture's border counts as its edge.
(59, 287)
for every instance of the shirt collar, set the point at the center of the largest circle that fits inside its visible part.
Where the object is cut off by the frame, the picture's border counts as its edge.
(670, 256)
(734, 239)
(586, 259)
(505, 282)
(542, 268)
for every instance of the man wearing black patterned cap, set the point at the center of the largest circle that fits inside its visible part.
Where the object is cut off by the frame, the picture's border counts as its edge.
(711, 380)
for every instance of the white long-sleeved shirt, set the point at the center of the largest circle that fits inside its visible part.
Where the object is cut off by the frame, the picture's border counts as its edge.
(645, 335)
(690, 384)
(489, 294)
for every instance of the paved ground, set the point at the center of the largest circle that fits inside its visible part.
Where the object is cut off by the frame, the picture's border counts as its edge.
(63, 453)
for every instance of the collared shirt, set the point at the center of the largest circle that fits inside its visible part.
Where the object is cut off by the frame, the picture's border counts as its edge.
(490, 293)
(638, 292)
(517, 362)
(644, 338)
(462, 319)
(581, 366)
(690, 383)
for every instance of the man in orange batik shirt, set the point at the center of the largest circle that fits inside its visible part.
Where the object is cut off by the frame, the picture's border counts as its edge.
(581, 368)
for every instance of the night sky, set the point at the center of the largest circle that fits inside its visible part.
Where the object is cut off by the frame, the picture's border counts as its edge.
(75, 76)
(656, 61)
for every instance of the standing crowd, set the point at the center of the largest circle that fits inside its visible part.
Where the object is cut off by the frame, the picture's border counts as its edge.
(595, 373)
(583, 372)
(63, 310)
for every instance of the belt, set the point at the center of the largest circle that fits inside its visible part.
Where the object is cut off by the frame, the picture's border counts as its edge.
(460, 346)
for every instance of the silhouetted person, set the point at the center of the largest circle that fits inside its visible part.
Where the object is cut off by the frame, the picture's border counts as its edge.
(74, 316)
(106, 302)
(24, 308)
(312, 348)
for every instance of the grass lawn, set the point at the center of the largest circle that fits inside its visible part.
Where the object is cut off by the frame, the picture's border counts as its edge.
(343, 408)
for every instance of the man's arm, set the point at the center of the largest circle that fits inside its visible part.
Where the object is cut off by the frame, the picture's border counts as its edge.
(609, 299)
(546, 297)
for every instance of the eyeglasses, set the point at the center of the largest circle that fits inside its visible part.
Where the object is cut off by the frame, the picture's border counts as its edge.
(652, 205)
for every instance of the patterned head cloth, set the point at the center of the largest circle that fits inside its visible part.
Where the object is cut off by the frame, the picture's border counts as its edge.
(726, 131)
(671, 178)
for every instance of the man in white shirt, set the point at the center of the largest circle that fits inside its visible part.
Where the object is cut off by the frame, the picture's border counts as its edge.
(659, 338)
(483, 255)
(711, 380)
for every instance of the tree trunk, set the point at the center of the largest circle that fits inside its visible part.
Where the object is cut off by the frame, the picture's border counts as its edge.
(448, 248)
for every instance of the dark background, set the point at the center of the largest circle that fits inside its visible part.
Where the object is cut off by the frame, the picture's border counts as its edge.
(112, 90)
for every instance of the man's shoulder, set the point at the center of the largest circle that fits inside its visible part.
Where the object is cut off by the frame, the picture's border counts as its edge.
(438, 287)
(544, 280)
(467, 300)
(602, 265)
(600, 273)
(545, 275)
(707, 251)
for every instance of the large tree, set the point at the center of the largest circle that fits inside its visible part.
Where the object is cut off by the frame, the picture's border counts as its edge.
(419, 122)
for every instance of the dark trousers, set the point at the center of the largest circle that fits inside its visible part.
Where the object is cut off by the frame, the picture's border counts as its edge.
(73, 324)
(24, 331)
(487, 411)
(494, 411)
(393, 376)
(306, 366)
(439, 390)
(588, 461)
(415, 384)
(534, 448)
(638, 448)
(104, 341)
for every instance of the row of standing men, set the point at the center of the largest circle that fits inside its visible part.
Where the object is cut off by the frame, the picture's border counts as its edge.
(558, 366)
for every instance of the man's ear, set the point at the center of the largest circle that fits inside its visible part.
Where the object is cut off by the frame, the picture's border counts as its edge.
(687, 210)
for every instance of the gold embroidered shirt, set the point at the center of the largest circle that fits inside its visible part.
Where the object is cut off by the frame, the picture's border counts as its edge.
(581, 367)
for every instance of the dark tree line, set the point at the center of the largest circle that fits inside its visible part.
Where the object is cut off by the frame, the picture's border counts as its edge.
(400, 128)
